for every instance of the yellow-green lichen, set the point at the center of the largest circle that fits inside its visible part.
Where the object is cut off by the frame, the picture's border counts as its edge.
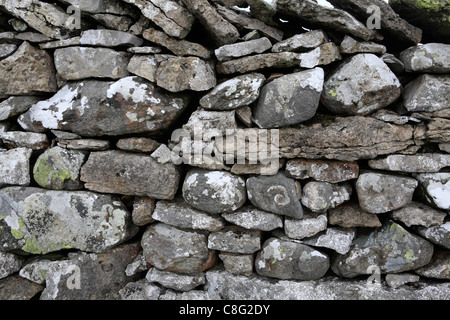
(44, 174)
(32, 246)
(17, 233)
(431, 5)
(409, 256)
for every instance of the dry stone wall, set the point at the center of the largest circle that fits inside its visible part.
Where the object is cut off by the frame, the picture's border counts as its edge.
(224, 149)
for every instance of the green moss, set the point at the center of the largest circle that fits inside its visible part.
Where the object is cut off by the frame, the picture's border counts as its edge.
(431, 5)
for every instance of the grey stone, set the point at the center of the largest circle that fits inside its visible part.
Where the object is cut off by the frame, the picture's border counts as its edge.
(237, 287)
(214, 191)
(234, 93)
(360, 85)
(419, 214)
(76, 63)
(7, 50)
(75, 41)
(137, 265)
(138, 144)
(15, 167)
(84, 276)
(289, 260)
(351, 215)
(193, 295)
(335, 238)
(115, 7)
(34, 37)
(139, 107)
(301, 42)
(84, 144)
(427, 58)
(435, 189)
(237, 264)
(393, 117)
(277, 194)
(235, 239)
(310, 225)
(172, 280)
(140, 290)
(146, 66)
(427, 93)
(290, 99)
(16, 105)
(439, 234)
(111, 21)
(16, 288)
(320, 196)
(322, 170)
(144, 50)
(19, 139)
(109, 38)
(444, 147)
(431, 162)
(378, 192)
(397, 280)
(438, 268)
(394, 63)
(240, 49)
(9, 264)
(179, 214)
(143, 208)
(39, 221)
(391, 248)
(351, 46)
(125, 173)
(254, 219)
(165, 248)
(323, 55)
(36, 270)
(210, 123)
(59, 168)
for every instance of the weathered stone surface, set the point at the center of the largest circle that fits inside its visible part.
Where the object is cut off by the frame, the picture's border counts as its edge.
(59, 168)
(390, 21)
(435, 189)
(19, 139)
(240, 49)
(431, 162)
(120, 172)
(254, 219)
(390, 116)
(9, 264)
(439, 234)
(140, 290)
(427, 58)
(235, 239)
(15, 167)
(427, 93)
(214, 191)
(36, 269)
(351, 216)
(143, 208)
(378, 192)
(351, 46)
(311, 224)
(316, 14)
(320, 196)
(171, 249)
(138, 144)
(16, 105)
(394, 63)
(177, 47)
(84, 144)
(179, 214)
(234, 93)
(76, 63)
(16, 288)
(6, 50)
(391, 248)
(221, 31)
(129, 105)
(75, 41)
(233, 287)
(438, 267)
(237, 264)
(361, 85)
(39, 78)
(301, 42)
(290, 99)
(145, 50)
(146, 66)
(39, 221)
(438, 130)
(289, 260)
(86, 276)
(322, 55)
(335, 238)
(172, 280)
(397, 280)
(109, 38)
(277, 194)
(185, 73)
(322, 170)
(170, 15)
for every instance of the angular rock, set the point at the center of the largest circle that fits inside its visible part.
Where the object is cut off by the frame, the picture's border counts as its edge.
(397, 280)
(210, 123)
(15, 167)
(277, 194)
(322, 55)
(435, 189)
(170, 15)
(240, 49)
(301, 42)
(289, 260)
(394, 63)
(144, 50)
(119, 23)
(129, 105)
(75, 41)
(235, 239)
(234, 93)
(143, 208)
(140, 290)
(439, 234)
(378, 192)
(39, 221)
(311, 224)
(427, 58)
(322, 170)
(390, 21)
(438, 267)
(19, 139)
(7, 50)
(84, 144)
(165, 248)
(9, 264)
(335, 238)
(320, 196)
(172, 280)
(221, 31)
(86, 276)
(38, 78)
(185, 73)
(76, 63)
(326, 17)
(237, 264)
(36, 270)
(16, 288)
(137, 144)
(290, 99)
(431, 162)
(427, 93)
(146, 66)
(129, 174)
(109, 38)
(179, 214)
(361, 85)
(59, 169)
(393, 117)
(391, 248)
(14, 106)
(438, 130)
(214, 191)
(254, 219)
(177, 47)
(351, 216)
(351, 46)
